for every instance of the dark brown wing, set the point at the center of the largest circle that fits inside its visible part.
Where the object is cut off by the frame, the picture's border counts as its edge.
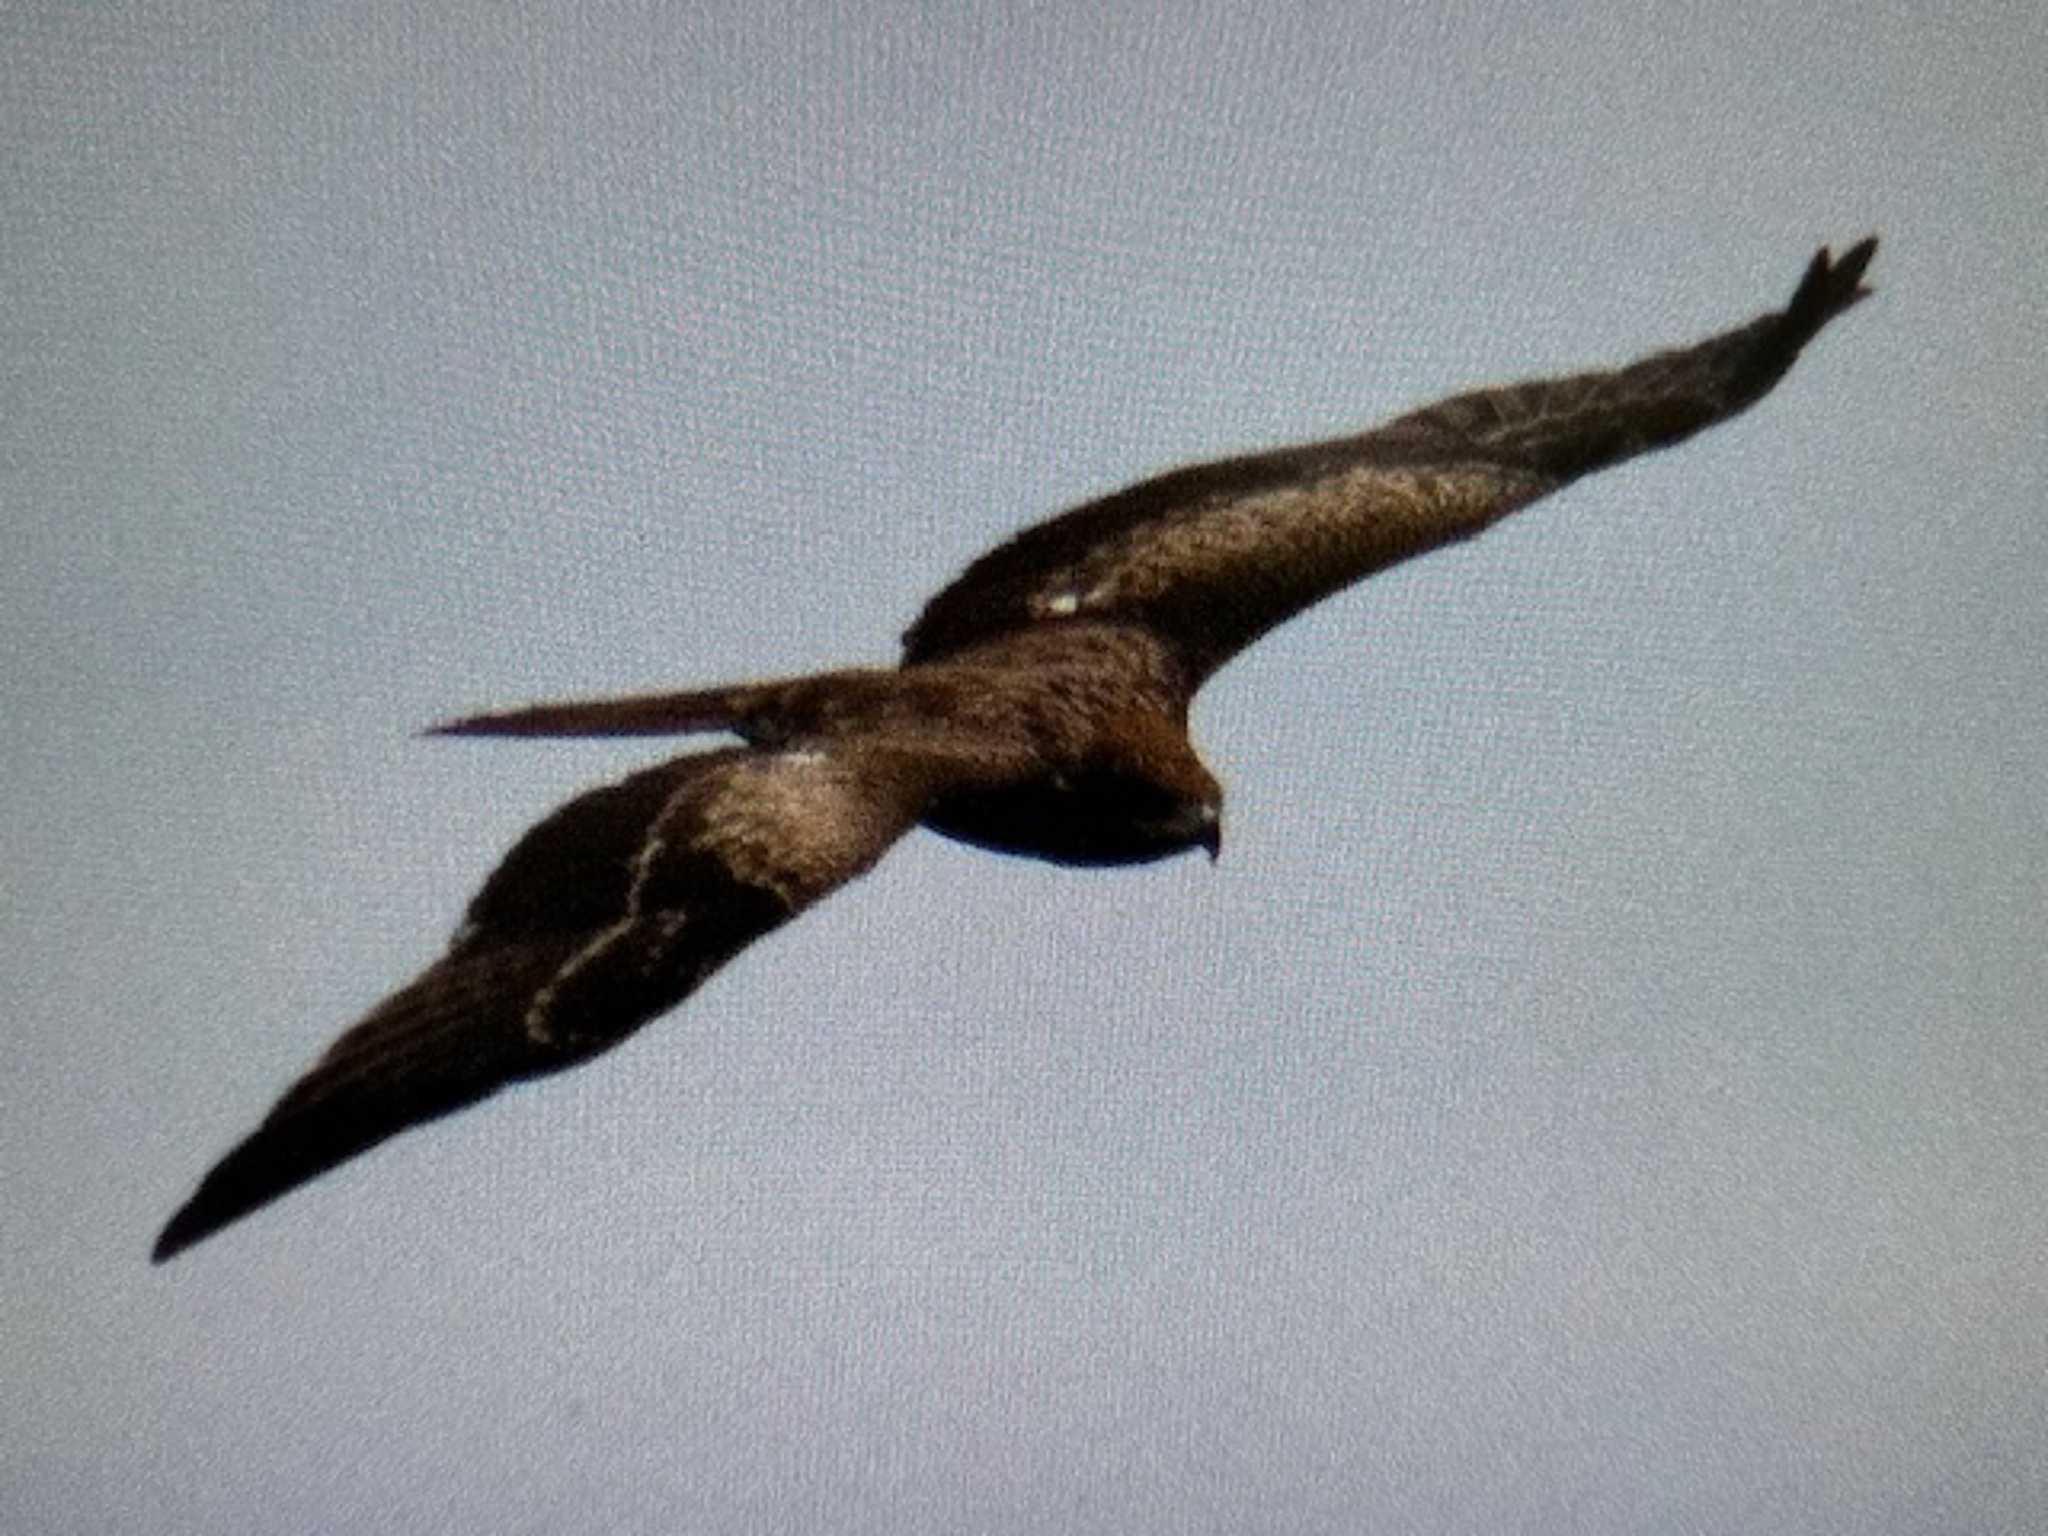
(1212, 556)
(605, 915)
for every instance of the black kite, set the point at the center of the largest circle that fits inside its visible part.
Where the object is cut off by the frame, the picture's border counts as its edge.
(1040, 709)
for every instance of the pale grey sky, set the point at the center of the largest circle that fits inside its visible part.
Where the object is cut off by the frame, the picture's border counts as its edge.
(1603, 1087)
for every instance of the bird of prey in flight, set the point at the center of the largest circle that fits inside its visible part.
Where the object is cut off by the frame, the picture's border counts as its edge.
(1040, 709)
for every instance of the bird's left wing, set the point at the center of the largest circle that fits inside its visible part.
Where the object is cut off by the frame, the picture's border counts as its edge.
(605, 915)
(1212, 556)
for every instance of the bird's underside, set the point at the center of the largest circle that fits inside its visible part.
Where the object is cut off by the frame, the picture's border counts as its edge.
(1040, 709)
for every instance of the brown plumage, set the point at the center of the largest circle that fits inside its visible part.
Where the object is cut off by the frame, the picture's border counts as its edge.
(1040, 709)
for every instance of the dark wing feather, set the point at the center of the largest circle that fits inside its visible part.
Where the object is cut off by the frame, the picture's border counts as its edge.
(605, 915)
(1214, 555)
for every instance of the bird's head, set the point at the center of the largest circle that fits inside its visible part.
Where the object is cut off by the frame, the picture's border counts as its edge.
(1200, 823)
(1137, 793)
(1175, 802)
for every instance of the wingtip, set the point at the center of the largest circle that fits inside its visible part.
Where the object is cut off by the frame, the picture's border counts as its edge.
(223, 1197)
(248, 1178)
(179, 1233)
(1831, 284)
(1850, 268)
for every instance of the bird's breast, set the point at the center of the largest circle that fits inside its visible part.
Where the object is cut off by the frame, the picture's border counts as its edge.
(1091, 819)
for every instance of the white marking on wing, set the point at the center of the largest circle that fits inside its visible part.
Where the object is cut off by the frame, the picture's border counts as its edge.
(539, 1028)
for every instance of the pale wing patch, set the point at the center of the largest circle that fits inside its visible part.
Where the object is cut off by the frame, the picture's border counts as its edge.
(539, 1027)
(1323, 533)
(800, 823)
(790, 825)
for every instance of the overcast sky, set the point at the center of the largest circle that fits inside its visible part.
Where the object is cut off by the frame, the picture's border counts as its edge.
(1603, 1086)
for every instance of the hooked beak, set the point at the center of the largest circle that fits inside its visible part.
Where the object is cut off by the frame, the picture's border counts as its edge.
(1211, 835)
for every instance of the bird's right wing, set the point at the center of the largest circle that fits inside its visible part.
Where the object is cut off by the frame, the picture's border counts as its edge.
(1212, 556)
(603, 916)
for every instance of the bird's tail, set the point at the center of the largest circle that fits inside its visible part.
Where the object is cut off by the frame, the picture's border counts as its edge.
(756, 711)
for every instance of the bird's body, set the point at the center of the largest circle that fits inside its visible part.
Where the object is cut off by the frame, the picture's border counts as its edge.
(1040, 710)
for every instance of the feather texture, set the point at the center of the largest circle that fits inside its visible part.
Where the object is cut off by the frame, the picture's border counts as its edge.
(1041, 709)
